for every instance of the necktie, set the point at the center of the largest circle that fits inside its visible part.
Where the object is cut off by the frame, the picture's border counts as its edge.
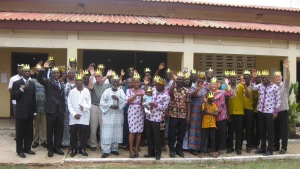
(27, 83)
(57, 84)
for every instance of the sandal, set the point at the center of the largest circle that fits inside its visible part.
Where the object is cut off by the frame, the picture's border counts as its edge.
(132, 155)
(201, 155)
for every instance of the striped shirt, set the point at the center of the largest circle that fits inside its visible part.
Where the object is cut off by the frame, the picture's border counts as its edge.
(284, 95)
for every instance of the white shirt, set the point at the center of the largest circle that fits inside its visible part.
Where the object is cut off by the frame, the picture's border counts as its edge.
(75, 99)
(11, 81)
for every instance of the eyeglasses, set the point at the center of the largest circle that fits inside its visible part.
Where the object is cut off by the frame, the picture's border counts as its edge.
(97, 76)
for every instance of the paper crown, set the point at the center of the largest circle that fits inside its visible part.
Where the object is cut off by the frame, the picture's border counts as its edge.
(201, 75)
(232, 73)
(98, 72)
(50, 58)
(193, 71)
(210, 95)
(155, 78)
(210, 70)
(116, 77)
(147, 70)
(168, 70)
(85, 72)
(213, 80)
(131, 69)
(247, 72)
(38, 66)
(78, 76)
(258, 73)
(226, 73)
(136, 76)
(26, 67)
(73, 59)
(55, 68)
(180, 74)
(149, 89)
(69, 68)
(160, 80)
(265, 73)
(101, 66)
(277, 73)
(20, 65)
(187, 76)
(63, 68)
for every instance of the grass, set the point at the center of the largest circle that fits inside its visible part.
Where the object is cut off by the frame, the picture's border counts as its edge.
(263, 164)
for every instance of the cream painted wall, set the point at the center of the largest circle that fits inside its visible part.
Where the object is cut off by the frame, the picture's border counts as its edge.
(174, 61)
(5, 67)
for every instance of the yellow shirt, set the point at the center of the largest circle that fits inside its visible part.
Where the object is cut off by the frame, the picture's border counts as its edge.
(255, 97)
(248, 102)
(236, 106)
(209, 121)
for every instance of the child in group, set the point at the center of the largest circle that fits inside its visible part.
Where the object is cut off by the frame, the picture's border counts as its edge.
(147, 98)
(209, 112)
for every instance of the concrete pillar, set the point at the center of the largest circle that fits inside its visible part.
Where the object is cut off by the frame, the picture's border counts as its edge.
(187, 59)
(71, 51)
(292, 56)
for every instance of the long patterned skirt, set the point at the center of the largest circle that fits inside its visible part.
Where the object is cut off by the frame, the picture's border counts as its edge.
(194, 139)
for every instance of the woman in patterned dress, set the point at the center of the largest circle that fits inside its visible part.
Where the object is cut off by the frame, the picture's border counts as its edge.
(198, 94)
(68, 87)
(135, 115)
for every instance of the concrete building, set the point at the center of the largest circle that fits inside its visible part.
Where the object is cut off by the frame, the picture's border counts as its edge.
(188, 33)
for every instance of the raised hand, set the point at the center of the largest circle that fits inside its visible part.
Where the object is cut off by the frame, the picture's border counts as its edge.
(254, 73)
(174, 75)
(92, 71)
(226, 81)
(242, 80)
(122, 72)
(109, 72)
(161, 66)
(286, 63)
(47, 64)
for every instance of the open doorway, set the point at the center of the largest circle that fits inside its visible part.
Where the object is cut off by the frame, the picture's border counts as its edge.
(25, 58)
(117, 60)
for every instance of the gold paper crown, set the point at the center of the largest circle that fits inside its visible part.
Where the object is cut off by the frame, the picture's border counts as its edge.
(73, 59)
(210, 95)
(147, 70)
(258, 73)
(78, 76)
(247, 72)
(193, 71)
(213, 80)
(131, 69)
(277, 73)
(38, 66)
(265, 73)
(136, 76)
(85, 72)
(50, 58)
(226, 73)
(160, 80)
(149, 89)
(26, 67)
(98, 72)
(116, 77)
(63, 68)
(155, 78)
(20, 65)
(168, 70)
(55, 68)
(187, 76)
(101, 66)
(210, 70)
(201, 75)
(232, 73)
(180, 74)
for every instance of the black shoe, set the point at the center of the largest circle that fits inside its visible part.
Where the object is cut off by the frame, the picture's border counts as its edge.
(44, 144)
(35, 145)
(275, 149)
(180, 153)
(148, 155)
(50, 153)
(194, 152)
(64, 147)
(260, 151)
(105, 155)
(238, 152)
(29, 152)
(282, 151)
(172, 154)
(73, 152)
(115, 153)
(268, 153)
(82, 151)
(157, 157)
(229, 150)
(22, 155)
(58, 151)
(93, 148)
(87, 146)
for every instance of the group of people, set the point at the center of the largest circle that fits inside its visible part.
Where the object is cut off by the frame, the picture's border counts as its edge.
(192, 110)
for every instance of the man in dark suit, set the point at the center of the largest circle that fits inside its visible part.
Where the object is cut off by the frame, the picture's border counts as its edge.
(54, 108)
(23, 91)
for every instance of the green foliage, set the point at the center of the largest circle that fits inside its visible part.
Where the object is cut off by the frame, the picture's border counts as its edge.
(294, 110)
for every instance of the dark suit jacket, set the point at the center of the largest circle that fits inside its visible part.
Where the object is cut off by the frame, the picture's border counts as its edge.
(26, 103)
(46, 73)
(54, 96)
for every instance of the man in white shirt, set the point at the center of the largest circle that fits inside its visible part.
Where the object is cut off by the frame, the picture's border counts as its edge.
(11, 81)
(79, 104)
